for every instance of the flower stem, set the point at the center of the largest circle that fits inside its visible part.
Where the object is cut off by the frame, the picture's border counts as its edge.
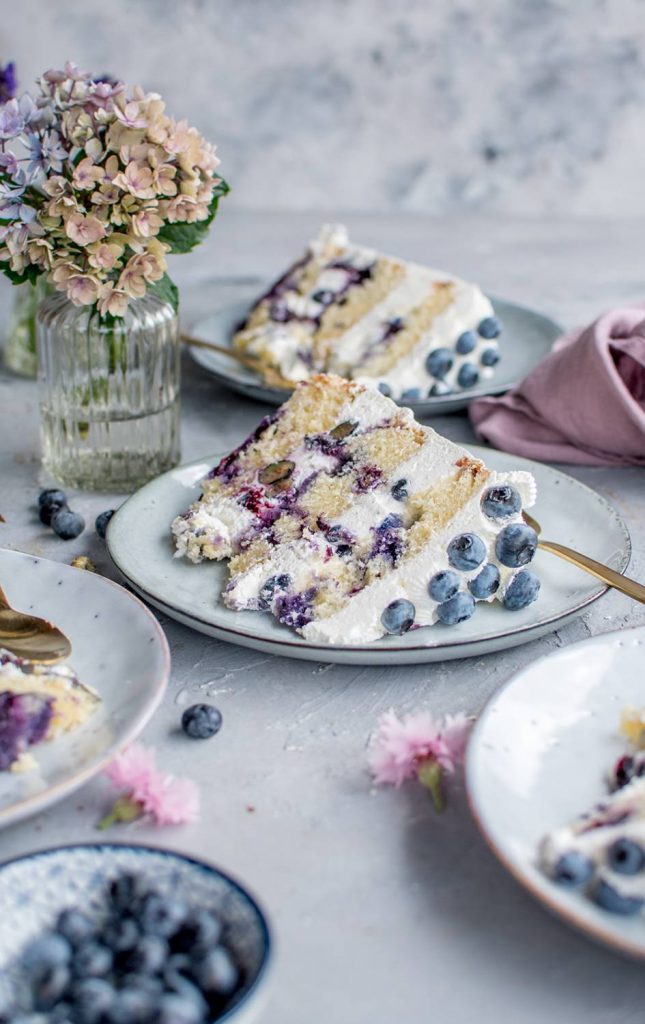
(430, 776)
(125, 809)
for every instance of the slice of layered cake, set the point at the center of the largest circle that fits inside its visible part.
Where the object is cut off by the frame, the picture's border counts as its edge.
(347, 520)
(37, 703)
(346, 309)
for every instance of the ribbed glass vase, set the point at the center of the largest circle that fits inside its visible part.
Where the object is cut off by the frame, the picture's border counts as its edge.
(20, 340)
(109, 393)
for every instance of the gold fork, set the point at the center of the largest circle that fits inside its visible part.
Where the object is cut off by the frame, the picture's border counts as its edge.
(597, 569)
(30, 637)
(271, 377)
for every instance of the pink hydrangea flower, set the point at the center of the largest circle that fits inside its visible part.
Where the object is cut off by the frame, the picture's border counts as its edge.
(148, 790)
(418, 746)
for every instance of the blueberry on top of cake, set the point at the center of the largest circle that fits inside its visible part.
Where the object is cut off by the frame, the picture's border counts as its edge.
(37, 702)
(342, 308)
(347, 519)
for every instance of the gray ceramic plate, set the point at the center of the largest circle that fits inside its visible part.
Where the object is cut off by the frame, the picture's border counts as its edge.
(140, 545)
(524, 763)
(118, 648)
(527, 337)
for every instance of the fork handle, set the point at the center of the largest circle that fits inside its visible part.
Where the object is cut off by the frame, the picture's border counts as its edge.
(602, 572)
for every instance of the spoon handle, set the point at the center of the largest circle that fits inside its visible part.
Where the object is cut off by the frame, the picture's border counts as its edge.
(602, 572)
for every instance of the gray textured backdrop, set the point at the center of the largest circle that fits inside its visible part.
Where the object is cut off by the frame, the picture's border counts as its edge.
(518, 106)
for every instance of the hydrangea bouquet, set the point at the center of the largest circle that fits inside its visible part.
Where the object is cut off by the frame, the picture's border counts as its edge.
(97, 186)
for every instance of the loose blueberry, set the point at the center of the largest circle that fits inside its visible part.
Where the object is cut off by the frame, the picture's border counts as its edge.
(516, 545)
(177, 1009)
(466, 342)
(52, 496)
(486, 583)
(501, 502)
(200, 932)
(466, 552)
(490, 357)
(46, 952)
(201, 721)
(125, 891)
(67, 524)
(411, 395)
(75, 926)
(456, 609)
(522, 590)
(162, 915)
(443, 585)
(385, 389)
(50, 988)
(132, 1004)
(439, 362)
(120, 934)
(468, 375)
(490, 327)
(92, 959)
(216, 973)
(610, 899)
(91, 999)
(148, 955)
(102, 521)
(400, 490)
(626, 857)
(572, 869)
(398, 617)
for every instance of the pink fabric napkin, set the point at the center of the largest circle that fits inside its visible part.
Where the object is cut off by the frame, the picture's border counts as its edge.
(584, 403)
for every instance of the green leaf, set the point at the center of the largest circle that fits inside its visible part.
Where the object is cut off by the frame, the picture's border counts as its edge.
(167, 290)
(184, 237)
(30, 273)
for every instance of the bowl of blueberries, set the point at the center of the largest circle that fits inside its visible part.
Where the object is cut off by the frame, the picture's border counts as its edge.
(125, 934)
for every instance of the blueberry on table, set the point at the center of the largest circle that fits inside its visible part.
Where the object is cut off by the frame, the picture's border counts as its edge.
(516, 545)
(52, 496)
(486, 583)
(466, 552)
(466, 342)
(443, 585)
(201, 721)
(398, 617)
(490, 327)
(67, 524)
(439, 362)
(610, 899)
(572, 869)
(490, 357)
(522, 590)
(457, 609)
(468, 375)
(501, 502)
(102, 521)
(626, 857)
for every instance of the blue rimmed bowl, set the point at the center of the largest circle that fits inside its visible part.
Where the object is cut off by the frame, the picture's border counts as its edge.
(36, 887)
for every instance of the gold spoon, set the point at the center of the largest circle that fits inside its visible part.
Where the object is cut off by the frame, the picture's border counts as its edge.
(597, 569)
(271, 377)
(30, 637)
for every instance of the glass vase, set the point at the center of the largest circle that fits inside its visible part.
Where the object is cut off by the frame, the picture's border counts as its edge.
(20, 340)
(109, 393)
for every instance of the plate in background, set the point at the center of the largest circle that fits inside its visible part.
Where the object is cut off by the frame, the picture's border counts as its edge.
(526, 339)
(140, 545)
(118, 648)
(538, 758)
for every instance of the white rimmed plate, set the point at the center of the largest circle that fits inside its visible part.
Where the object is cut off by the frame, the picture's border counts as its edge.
(527, 337)
(140, 545)
(539, 756)
(118, 647)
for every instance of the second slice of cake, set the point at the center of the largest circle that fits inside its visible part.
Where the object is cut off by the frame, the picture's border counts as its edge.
(347, 520)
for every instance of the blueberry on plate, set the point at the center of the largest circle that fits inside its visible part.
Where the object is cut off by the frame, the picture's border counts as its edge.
(501, 501)
(102, 521)
(148, 955)
(572, 869)
(438, 389)
(74, 925)
(522, 590)
(120, 934)
(398, 617)
(468, 375)
(201, 721)
(456, 609)
(125, 891)
(162, 915)
(466, 342)
(49, 950)
(173, 1008)
(466, 552)
(439, 362)
(92, 959)
(610, 899)
(400, 490)
(67, 524)
(217, 973)
(486, 583)
(385, 389)
(91, 998)
(200, 932)
(490, 357)
(626, 857)
(516, 545)
(411, 395)
(50, 988)
(490, 327)
(443, 585)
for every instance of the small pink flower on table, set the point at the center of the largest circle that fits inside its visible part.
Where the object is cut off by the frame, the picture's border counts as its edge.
(148, 790)
(418, 746)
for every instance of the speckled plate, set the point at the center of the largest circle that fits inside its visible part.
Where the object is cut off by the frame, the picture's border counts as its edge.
(118, 648)
(527, 337)
(35, 888)
(539, 756)
(140, 544)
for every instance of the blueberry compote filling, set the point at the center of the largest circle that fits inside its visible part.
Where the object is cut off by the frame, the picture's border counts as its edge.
(24, 720)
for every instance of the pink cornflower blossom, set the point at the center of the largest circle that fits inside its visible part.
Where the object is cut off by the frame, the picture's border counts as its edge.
(149, 791)
(418, 746)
